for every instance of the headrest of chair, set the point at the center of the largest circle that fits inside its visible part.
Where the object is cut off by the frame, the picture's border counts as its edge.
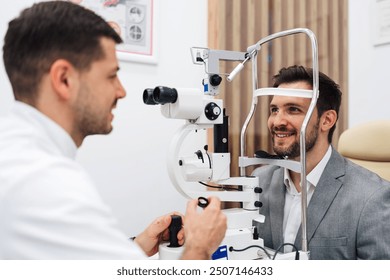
(369, 141)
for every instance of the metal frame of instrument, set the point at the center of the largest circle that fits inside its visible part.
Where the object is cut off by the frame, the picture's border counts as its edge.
(253, 52)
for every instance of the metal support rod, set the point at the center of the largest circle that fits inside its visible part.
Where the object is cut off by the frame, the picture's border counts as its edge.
(252, 111)
(313, 103)
(303, 142)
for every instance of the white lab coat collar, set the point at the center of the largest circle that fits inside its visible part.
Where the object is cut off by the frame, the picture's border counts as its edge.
(58, 136)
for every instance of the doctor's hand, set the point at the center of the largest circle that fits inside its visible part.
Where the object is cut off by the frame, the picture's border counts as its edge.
(155, 233)
(204, 230)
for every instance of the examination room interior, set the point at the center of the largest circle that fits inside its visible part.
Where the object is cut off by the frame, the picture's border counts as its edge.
(129, 165)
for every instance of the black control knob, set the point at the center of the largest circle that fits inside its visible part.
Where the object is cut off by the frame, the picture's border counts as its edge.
(212, 111)
(258, 204)
(215, 80)
(258, 190)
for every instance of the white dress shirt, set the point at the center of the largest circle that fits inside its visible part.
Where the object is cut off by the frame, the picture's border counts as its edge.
(49, 207)
(292, 207)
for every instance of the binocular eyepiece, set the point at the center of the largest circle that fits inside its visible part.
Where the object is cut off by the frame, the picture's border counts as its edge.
(159, 95)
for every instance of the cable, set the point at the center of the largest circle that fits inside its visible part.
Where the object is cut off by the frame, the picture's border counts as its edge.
(218, 187)
(231, 249)
(210, 186)
(206, 147)
(285, 244)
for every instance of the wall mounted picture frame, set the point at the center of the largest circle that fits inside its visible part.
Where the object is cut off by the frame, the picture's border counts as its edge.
(381, 22)
(134, 22)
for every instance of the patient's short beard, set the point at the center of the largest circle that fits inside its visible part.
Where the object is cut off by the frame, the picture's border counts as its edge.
(293, 151)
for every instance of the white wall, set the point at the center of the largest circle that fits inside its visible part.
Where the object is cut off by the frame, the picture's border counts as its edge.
(129, 165)
(369, 93)
(6, 14)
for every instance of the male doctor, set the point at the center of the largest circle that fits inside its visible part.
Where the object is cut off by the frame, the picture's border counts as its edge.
(61, 62)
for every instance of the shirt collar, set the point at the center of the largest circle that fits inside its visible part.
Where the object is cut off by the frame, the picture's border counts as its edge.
(314, 176)
(58, 136)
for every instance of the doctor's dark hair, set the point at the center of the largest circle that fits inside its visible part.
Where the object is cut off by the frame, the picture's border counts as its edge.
(46, 32)
(329, 92)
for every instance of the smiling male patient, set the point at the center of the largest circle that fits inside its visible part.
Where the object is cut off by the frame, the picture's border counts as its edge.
(348, 215)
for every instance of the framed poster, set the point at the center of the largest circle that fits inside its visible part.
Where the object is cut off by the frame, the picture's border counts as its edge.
(134, 22)
(381, 22)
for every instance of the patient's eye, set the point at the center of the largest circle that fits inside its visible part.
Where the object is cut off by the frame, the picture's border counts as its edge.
(294, 110)
(273, 110)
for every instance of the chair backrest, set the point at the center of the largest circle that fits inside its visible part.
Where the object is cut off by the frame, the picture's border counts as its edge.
(368, 145)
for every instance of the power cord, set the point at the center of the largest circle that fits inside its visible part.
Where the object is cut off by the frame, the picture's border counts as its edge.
(287, 244)
(231, 249)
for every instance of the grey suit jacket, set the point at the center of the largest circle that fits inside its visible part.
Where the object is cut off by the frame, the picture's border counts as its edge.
(348, 216)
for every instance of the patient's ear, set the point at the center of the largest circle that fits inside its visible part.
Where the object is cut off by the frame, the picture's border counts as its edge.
(63, 77)
(328, 120)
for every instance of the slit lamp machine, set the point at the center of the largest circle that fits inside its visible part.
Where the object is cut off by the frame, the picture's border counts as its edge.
(193, 174)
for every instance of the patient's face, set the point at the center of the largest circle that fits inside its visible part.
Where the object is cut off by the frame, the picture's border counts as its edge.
(285, 122)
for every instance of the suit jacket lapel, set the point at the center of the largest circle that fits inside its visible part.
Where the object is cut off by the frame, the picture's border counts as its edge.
(323, 196)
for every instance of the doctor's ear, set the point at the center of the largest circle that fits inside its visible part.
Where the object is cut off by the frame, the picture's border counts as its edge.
(63, 78)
